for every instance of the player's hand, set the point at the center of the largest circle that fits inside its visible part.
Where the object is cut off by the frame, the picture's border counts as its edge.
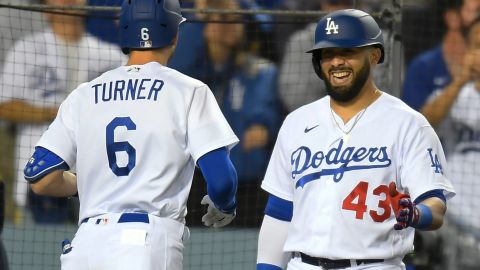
(469, 68)
(214, 217)
(255, 136)
(405, 211)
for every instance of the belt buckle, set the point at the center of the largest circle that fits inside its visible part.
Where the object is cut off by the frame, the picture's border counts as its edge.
(334, 264)
(327, 265)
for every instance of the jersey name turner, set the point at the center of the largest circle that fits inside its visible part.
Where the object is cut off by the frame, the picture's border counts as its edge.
(133, 89)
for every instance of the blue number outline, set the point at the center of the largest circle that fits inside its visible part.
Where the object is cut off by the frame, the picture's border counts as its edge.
(113, 146)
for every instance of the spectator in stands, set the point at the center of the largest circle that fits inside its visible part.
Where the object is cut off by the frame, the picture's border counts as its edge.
(284, 26)
(13, 25)
(433, 69)
(3, 252)
(37, 74)
(245, 87)
(430, 80)
(191, 42)
(101, 23)
(457, 107)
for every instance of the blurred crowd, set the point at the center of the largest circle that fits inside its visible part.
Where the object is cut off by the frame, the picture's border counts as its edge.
(258, 70)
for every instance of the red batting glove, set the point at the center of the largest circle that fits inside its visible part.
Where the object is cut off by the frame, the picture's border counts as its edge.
(405, 211)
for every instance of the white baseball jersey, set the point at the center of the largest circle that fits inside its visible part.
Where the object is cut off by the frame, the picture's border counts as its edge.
(135, 134)
(42, 70)
(339, 188)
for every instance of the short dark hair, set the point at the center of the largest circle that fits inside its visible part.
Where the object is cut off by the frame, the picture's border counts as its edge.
(445, 5)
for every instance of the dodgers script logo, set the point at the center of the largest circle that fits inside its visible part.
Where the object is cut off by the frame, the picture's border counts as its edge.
(345, 159)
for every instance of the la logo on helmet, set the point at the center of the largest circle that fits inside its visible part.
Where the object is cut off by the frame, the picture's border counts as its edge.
(331, 26)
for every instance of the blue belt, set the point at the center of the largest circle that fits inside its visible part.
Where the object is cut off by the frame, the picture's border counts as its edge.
(125, 217)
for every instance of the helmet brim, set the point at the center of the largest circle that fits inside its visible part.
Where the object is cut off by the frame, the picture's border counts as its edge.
(346, 44)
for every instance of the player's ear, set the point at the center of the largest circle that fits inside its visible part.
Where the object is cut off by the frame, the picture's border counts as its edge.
(174, 42)
(172, 47)
(375, 55)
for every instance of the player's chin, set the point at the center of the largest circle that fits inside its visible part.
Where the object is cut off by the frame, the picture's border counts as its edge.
(477, 82)
(340, 91)
(476, 79)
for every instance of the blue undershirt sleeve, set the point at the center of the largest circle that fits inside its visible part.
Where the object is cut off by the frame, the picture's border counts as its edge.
(279, 208)
(221, 178)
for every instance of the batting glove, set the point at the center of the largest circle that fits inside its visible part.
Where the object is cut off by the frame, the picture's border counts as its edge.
(215, 217)
(405, 210)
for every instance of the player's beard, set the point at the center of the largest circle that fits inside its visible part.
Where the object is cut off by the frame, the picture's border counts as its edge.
(348, 92)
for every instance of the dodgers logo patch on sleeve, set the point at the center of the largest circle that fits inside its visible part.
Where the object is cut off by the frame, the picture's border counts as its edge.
(435, 162)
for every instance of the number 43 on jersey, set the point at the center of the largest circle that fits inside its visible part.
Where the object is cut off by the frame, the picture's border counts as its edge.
(356, 201)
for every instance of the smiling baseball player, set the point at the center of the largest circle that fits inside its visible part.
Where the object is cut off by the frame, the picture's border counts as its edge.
(353, 174)
(134, 135)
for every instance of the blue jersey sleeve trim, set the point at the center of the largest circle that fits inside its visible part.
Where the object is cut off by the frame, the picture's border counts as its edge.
(279, 208)
(265, 266)
(43, 162)
(430, 194)
(221, 178)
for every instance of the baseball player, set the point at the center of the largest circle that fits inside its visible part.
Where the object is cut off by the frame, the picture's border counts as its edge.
(134, 135)
(352, 175)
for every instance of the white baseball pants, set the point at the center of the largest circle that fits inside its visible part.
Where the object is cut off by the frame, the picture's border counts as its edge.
(126, 241)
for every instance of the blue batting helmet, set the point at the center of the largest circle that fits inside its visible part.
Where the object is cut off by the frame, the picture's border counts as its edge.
(149, 24)
(348, 28)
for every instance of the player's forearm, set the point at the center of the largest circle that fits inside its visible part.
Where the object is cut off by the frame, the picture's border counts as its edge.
(221, 178)
(271, 239)
(437, 210)
(58, 183)
(436, 110)
(21, 112)
(223, 189)
(256, 136)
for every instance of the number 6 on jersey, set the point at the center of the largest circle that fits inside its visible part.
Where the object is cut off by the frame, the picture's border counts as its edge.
(114, 147)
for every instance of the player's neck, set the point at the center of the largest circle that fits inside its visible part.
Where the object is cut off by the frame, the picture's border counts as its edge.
(144, 57)
(219, 54)
(347, 110)
(68, 32)
(453, 49)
